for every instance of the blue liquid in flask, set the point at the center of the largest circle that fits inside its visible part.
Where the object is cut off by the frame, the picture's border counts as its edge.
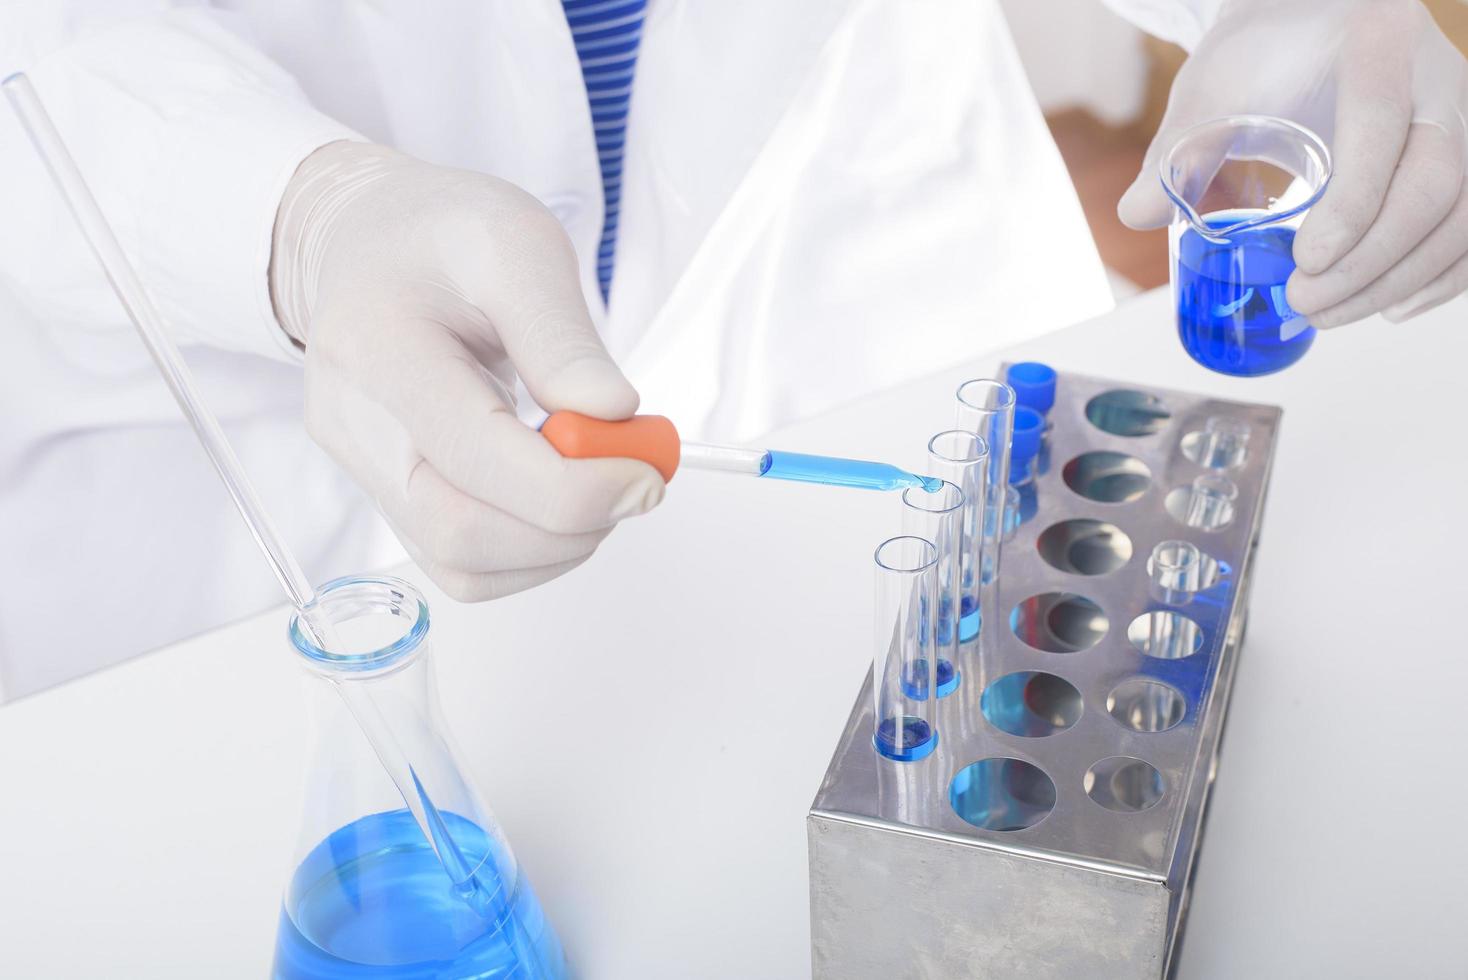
(372, 901)
(918, 739)
(1232, 316)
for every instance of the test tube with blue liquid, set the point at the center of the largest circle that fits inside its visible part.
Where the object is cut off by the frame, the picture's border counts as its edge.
(1241, 187)
(962, 458)
(937, 516)
(904, 672)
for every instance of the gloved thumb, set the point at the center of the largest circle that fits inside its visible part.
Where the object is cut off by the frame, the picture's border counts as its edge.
(1145, 204)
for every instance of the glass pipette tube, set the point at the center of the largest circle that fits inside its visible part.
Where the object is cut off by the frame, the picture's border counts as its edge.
(145, 318)
(654, 440)
(804, 468)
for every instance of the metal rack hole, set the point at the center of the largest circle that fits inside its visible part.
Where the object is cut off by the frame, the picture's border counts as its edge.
(1107, 477)
(1146, 705)
(1165, 635)
(1059, 622)
(1124, 784)
(1002, 794)
(1031, 703)
(1127, 413)
(1082, 546)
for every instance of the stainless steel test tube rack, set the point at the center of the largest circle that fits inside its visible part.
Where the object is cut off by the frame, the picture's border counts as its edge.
(1095, 884)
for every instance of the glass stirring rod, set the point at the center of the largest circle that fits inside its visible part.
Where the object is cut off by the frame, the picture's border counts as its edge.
(654, 440)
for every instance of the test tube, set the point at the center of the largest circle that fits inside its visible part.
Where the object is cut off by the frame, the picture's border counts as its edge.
(1177, 570)
(1225, 442)
(986, 408)
(1013, 511)
(937, 516)
(1211, 501)
(962, 458)
(903, 673)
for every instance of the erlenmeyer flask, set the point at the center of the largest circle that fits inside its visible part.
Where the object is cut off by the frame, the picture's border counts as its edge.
(372, 895)
(1240, 188)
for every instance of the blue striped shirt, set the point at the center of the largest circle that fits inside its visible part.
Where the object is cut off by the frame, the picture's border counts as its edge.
(607, 33)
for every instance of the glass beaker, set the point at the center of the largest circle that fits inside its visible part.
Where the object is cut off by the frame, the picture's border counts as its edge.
(1240, 188)
(373, 894)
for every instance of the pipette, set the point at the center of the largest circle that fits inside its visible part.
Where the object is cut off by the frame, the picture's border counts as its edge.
(144, 315)
(654, 440)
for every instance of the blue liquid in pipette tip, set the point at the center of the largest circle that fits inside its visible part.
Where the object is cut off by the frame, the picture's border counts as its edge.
(1232, 315)
(918, 739)
(372, 900)
(837, 472)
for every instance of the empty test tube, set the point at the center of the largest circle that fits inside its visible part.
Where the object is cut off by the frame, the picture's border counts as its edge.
(1225, 442)
(1177, 571)
(986, 408)
(1013, 511)
(1211, 501)
(938, 517)
(962, 458)
(903, 673)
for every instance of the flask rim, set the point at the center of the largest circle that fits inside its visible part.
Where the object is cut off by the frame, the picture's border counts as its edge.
(350, 596)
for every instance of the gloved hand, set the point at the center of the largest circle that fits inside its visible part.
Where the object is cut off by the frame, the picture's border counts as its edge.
(419, 292)
(1388, 92)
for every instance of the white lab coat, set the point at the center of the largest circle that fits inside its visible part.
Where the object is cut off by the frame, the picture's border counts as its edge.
(821, 198)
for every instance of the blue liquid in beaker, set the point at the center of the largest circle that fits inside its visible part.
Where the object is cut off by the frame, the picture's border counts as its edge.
(1232, 316)
(918, 739)
(372, 900)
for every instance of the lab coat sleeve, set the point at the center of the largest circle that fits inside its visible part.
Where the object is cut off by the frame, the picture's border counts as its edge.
(1182, 22)
(187, 136)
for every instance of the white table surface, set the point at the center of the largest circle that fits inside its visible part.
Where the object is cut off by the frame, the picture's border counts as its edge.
(692, 679)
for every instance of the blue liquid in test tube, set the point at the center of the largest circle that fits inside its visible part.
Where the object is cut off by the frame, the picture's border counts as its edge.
(918, 742)
(1232, 314)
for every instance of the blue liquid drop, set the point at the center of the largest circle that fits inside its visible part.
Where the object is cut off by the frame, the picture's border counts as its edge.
(918, 739)
(1232, 315)
(372, 901)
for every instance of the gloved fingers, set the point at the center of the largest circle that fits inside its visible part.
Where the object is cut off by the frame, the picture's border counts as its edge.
(1433, 255)
(483, 586)
(1145, 205)
(1372, 116)
(1445, 287)
(1427, 185)
(454, 530)
(457, 419)
(531, 292)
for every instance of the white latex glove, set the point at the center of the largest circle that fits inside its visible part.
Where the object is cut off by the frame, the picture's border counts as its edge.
(419, 292)
(1388, 92)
